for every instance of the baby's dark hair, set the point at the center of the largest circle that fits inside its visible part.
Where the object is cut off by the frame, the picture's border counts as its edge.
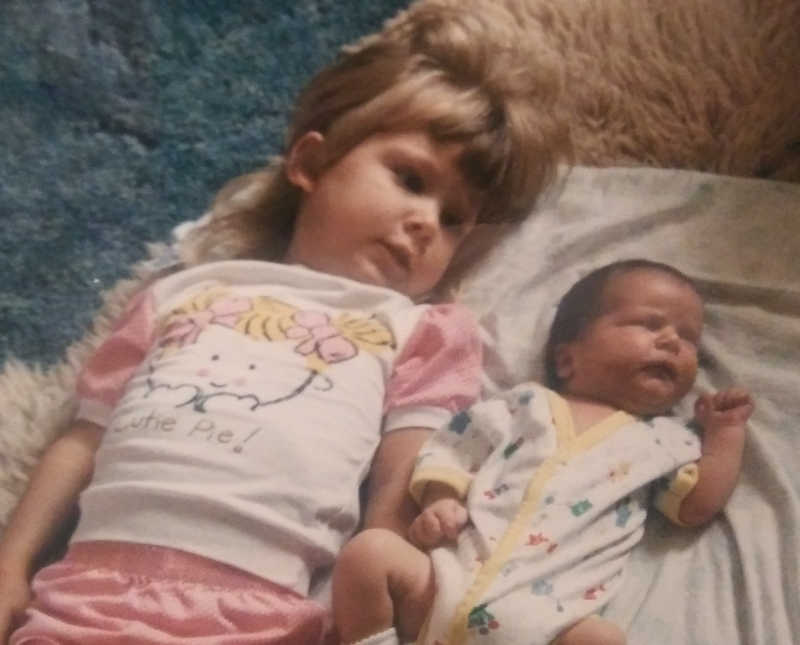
(582, 304)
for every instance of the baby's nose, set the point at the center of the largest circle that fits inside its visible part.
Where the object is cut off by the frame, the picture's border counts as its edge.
(668, 338)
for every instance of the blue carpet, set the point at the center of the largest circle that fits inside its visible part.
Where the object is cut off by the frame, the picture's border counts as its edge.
(120, 119)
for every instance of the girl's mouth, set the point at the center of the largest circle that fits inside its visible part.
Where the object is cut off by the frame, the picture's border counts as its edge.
(400, 254)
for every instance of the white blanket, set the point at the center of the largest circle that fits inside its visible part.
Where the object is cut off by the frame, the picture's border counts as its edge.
(735, 581)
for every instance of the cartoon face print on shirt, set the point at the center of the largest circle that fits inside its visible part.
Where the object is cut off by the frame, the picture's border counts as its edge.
(270, 339)
(233, 376)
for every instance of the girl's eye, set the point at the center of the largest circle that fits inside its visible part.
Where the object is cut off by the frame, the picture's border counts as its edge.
(410, 179)
(452, 220)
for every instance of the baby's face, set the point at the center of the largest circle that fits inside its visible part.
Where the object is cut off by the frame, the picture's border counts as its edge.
(640, 353)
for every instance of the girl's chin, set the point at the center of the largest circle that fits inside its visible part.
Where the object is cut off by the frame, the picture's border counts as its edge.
(376, 274)
(370, 275)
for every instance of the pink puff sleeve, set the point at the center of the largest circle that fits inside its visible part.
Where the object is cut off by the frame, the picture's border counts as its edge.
(438, 371)
(103, 378)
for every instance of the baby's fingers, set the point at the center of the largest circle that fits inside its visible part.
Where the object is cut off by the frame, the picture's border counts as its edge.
(425, 531)
(703, 406)
(734, 397)
(451, 520)
(731, 407)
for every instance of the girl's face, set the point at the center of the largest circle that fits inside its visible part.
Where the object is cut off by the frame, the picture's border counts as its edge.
(391, 212)
(640, 353)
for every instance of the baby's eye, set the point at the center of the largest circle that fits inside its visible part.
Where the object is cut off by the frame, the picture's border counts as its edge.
(410, 179)
(653, 323)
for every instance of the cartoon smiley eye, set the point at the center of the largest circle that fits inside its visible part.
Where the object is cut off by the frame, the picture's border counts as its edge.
(215, 357)
(252, 366)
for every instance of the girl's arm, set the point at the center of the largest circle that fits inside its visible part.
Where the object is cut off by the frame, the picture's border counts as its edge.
(439, 367)
(66, 466)
(723, 417)
(63, 471)
(389, 504)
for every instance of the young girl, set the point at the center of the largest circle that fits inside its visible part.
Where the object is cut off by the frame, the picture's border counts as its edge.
(226, 425)
(536, 498)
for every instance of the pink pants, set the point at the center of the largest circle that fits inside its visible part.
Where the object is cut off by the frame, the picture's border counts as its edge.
(129, 594)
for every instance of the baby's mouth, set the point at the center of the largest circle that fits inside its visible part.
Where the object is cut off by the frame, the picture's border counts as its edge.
(661, 371)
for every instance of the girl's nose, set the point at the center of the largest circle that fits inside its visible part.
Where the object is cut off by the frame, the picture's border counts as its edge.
(422, 224)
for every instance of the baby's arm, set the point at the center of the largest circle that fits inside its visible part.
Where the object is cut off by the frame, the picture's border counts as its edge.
(723, 417)
(63, 471)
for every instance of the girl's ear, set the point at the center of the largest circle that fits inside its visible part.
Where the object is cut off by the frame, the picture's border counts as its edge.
(564, 363)
(305, 160)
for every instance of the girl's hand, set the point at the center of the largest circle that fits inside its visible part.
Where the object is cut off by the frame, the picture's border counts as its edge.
(728, 408)
(441, 520)
(15, 594)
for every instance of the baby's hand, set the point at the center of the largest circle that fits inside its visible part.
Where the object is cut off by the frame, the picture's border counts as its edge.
(442, 520)
(731, 407)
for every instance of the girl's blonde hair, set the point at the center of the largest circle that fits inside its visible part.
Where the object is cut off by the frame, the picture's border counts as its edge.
(462, 77)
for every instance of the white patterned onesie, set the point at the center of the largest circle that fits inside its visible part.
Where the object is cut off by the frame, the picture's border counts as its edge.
(553, 514)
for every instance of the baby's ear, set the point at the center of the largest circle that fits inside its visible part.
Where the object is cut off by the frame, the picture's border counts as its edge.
(563, 362)
(305, 160)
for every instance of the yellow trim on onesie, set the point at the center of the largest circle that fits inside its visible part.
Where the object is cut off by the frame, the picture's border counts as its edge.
(457, 480)
(568, 446)
(682, 483)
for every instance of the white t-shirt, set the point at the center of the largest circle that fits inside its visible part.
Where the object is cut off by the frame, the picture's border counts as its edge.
(243, 402)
